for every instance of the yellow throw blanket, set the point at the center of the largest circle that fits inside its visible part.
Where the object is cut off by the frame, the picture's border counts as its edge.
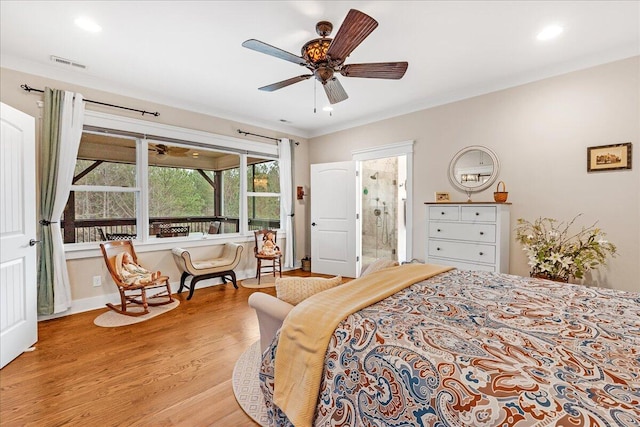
(306, 332)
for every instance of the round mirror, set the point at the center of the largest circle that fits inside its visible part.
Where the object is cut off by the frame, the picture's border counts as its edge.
(473, 169)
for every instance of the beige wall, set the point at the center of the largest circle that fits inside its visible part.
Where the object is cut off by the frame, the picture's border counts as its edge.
(81, 271)
(540, 132)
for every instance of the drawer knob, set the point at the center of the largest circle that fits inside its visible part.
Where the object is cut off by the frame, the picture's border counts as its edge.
(437, 249)
(477, 213)
(438, 230)
(482, 233)
(481, 253)
(441, 213)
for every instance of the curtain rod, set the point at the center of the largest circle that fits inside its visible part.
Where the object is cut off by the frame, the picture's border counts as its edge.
(262, 136)
(156, 114)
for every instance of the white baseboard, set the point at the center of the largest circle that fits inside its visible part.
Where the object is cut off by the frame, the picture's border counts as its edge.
(97, 302)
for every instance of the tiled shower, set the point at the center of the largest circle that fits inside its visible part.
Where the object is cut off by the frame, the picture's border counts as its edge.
(380, 199)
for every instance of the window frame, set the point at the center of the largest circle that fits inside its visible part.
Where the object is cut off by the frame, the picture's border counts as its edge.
(249, 194)
(143, 132)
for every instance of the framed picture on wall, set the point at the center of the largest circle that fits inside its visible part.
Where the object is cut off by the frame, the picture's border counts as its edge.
(609, 157)
(442, 197)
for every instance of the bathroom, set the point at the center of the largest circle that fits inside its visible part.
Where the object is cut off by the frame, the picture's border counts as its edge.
(383, 209)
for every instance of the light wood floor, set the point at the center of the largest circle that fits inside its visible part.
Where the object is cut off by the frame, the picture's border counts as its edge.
(173, 370)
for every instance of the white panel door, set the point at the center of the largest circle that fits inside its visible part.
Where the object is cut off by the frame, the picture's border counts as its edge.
(333, 218)
(18, 288)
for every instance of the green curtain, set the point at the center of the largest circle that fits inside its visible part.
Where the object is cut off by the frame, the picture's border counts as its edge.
(50, 146)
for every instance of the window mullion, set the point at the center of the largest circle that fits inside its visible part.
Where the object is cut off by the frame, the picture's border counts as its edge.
(104, 188)
(244, 208)
(142, 220)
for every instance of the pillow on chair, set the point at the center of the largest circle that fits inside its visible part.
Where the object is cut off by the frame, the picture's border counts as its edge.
(295, 289)
(378, 264)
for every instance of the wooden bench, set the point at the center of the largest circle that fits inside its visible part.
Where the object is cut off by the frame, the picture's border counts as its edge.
(221, 266)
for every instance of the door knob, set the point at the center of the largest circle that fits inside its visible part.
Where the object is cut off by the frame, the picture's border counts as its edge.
(33, 242)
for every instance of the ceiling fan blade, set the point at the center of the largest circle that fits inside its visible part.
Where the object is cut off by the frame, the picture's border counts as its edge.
(284, 83)
(172, 154)
(165, 150)
(379, 70)
(355, 28)
(334, 90)
(262, 47)
(177, 150)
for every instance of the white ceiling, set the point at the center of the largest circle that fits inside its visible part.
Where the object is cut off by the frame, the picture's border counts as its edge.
(188, 54)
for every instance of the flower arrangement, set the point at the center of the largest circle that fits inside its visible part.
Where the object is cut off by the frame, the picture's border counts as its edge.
(555, 253)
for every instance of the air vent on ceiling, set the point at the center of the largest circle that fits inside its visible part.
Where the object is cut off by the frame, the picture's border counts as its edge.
(67, 62)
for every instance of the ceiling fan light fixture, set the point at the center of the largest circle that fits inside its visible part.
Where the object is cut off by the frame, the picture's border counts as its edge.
(316, 50)
(324, 74)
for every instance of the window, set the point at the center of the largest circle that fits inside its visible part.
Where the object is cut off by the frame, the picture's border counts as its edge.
(105, 195)
(136, 186)
(263, 193)
(182, 184)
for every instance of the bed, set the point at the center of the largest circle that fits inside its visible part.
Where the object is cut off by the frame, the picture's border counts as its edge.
(469, 348)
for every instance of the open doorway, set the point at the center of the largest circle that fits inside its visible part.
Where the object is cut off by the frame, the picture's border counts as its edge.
(384, 197)
(384, 202)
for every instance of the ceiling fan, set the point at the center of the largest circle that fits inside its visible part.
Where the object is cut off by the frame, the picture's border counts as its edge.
(325, 57)
(162, 150)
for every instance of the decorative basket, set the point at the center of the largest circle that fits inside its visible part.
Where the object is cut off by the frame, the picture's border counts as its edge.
(500, 196)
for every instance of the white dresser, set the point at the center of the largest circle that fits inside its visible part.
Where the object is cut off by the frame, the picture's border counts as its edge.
(469, 236)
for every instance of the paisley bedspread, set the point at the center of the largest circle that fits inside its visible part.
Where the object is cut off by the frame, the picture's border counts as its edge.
(482, 349)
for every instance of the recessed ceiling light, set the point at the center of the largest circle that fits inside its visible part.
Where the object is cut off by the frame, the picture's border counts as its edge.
(88, 24)
(550, 32)
(327, 108)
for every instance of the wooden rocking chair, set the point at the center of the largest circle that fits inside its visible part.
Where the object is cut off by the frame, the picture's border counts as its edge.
(133, 294)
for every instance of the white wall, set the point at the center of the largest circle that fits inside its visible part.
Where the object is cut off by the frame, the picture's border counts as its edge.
(540, 132)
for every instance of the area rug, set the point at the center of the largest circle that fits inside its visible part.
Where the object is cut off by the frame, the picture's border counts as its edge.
(111, 319)
(265, 282)
(246, 384)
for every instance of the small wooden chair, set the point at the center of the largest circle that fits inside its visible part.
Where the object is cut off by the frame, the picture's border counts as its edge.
(261, 236)
(135, 294)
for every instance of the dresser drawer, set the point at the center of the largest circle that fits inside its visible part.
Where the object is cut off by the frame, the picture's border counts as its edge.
(462, 265)
(483, 233)
(462, 251)
(478, 213)
(448, 213)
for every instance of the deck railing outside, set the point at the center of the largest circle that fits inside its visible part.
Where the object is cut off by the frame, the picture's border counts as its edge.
(90, 230)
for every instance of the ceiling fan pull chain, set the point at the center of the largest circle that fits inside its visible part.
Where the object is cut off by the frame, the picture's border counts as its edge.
(315, 90)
